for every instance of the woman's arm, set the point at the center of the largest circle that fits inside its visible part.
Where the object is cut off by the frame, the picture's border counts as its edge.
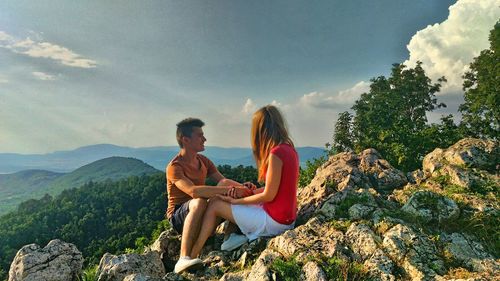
(267, 194)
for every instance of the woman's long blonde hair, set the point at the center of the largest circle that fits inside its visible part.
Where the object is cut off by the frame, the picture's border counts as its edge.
(268, 130)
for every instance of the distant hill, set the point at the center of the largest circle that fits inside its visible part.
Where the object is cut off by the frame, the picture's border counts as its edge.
(20, 186)
(158, 157)
(17, 187)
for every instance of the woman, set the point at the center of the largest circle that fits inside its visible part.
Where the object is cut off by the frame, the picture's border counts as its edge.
(270, 210)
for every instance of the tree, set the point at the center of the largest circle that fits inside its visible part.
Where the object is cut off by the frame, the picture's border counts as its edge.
(342, 138)
(392, 116)
(481, 110)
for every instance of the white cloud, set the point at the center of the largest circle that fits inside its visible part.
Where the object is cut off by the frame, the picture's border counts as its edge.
(43, 76)
(249, 107)
(343, 98)
(40, 49)
(447, 48)
(3, 80)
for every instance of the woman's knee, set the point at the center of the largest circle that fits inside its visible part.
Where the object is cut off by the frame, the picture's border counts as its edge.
(224, 182)
(215, 205)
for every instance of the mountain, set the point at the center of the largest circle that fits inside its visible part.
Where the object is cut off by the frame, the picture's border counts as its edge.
(20, 186)
(17, 187)
(158, 157)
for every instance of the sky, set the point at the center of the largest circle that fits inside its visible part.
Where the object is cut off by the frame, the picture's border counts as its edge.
(76, 73)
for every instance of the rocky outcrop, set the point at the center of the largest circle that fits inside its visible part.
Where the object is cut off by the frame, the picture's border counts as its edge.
(116, 268)
(432, 207)
(346, 171)
(414, 252)
(360, 217)
(168, 246)
(465, 163)
(58, 261)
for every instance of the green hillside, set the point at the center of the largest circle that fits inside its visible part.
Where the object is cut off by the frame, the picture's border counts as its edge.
(112, 168)
(20, 186)
(97, 217)
(33, 184)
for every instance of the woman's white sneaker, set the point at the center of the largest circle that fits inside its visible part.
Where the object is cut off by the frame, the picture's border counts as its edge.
(234, 241)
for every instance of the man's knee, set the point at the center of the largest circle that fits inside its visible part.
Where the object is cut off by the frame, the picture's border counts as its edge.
(198, 205)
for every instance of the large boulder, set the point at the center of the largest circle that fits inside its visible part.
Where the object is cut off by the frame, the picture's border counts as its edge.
(464, 162)
(168, 245)
(430, 206)
(58, 261)
(346, 171)
(470, 152)
(414, 252)
(116, 268)
(470, 253)
(308, 240)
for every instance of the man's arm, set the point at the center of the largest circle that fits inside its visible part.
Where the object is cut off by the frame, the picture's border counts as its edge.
(206, 191)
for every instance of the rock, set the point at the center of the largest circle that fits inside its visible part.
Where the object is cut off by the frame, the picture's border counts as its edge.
(310, 239)
(471, 253)
(382, 176)
(346, 171)
(461, 161)
(172, 276)
(431, 206)
(334, 206)
(140, 277)
(56, 261)
(415, 252)
(260, 270)
(236, 276)
(380, 267)
(477, 153)
(337, 173)
(312, 272)
(362, 240)
(113, 267)
(360, 211)
(416, 177)
(168, 245)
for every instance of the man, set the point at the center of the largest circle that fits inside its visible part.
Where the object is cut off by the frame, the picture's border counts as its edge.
(187, 192)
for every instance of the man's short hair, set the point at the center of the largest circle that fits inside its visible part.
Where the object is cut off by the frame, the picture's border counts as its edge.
(185, 128)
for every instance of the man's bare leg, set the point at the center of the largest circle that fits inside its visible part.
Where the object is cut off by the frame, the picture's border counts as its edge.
(192, 225)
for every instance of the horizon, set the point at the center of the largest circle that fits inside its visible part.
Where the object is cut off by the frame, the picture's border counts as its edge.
(76, 74)
(142, 147)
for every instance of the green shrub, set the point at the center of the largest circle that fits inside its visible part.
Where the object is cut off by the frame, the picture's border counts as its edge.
(308, 173)
(338, 269)
(89, 273)
(287, 270)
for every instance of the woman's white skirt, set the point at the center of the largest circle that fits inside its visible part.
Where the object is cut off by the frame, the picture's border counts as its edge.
(254, 222)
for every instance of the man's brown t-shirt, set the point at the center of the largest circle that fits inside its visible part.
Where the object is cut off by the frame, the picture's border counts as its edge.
(177, 170)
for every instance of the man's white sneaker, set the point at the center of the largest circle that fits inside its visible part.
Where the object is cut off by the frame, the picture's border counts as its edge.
(234, 241)
(185, 263)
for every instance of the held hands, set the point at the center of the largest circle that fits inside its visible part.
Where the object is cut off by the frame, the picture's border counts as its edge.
(234, 193)
(250, 185)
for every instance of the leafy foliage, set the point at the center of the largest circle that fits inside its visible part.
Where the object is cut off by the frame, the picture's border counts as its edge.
(343, 138)
(308, 173)
(97, 218)
(392, 116)
(481, 110)
(239, 173)
(288, 270)
(30, 184)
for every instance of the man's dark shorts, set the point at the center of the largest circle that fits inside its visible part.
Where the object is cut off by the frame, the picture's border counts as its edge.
(180, 213)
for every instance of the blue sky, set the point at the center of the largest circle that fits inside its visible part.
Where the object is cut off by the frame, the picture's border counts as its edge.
(75, 73)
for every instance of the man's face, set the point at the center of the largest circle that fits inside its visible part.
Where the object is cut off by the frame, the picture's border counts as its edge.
(197, 140)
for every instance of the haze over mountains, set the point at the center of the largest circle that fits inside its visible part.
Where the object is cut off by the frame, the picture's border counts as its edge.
(158, 157)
